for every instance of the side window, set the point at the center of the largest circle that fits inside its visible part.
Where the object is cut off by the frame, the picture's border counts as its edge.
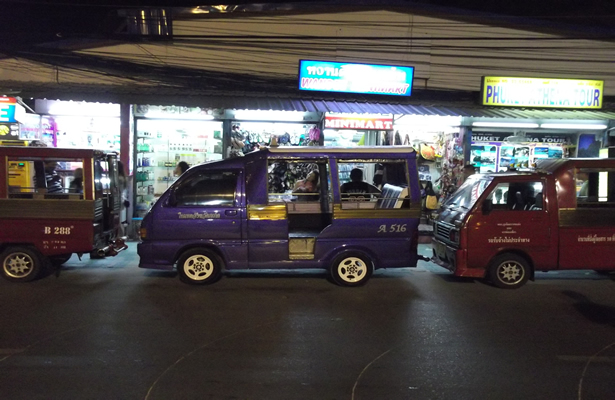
(593, 186)
(289, 181)
(517, 196)
(101, 177)
(43, 178)
(373, 184)
(207, 189)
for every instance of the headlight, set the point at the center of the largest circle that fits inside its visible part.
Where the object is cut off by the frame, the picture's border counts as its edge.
(143, 233)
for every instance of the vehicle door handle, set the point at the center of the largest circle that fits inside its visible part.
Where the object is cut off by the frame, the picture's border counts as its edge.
(230, 212)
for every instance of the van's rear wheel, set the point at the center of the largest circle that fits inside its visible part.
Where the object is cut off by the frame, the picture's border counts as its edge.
(199, 266)
(351, 269)
(20, 263)
(509, 271)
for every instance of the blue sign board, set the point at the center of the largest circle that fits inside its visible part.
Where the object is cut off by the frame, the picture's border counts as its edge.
(7, 109)
(325, 76)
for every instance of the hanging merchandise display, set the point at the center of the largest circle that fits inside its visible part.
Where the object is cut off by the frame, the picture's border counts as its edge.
(451, 175)
(251, 136)
(427, 152)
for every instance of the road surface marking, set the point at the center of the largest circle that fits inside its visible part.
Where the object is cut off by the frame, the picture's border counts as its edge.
(11, 351)
(586, 359)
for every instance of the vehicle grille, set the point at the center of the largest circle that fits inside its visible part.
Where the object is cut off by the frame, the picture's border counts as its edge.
(442, 231)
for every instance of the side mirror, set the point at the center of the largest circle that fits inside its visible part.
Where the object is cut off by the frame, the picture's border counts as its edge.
(487, 206)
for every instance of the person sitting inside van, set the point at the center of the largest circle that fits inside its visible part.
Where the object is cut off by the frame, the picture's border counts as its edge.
(54, 181)
(76, 185)
(307, 185)
(357, 189)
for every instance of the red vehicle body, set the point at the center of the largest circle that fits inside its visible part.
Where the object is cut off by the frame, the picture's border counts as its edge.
(505, 226)
(37, 225)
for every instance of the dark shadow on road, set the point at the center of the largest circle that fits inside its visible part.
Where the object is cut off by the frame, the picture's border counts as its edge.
(456, 279)
(160, 274)
(594, 312)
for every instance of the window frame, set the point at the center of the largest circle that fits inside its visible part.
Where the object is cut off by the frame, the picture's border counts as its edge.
(174, 200)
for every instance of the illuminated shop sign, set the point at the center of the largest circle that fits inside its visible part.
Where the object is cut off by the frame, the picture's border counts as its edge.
(351, 122)
(9, 131)
(7, 109)
(541, 92)
(533, 137)
(325, 76)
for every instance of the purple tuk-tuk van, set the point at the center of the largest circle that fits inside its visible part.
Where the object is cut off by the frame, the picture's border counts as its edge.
(346, 210)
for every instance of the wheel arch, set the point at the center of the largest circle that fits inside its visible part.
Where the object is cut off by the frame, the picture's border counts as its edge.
(339, 250)
(4, 246)
(208, 246)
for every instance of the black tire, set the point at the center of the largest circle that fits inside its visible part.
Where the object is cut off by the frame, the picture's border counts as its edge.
(199, 267)
(61, 259)
(20, 263)
(509, 271)
(351, 269)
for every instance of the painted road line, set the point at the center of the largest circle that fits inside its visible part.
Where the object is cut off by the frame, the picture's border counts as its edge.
(11, 351)
(586, 359)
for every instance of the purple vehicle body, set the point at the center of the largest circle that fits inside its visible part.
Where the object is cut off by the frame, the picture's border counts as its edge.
(242, 213)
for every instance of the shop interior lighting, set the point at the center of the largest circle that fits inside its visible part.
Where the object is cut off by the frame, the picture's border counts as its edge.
(574, 126)
(427, 120)
(526, 125)
(259, 115)
(162, 115)
(82, 108)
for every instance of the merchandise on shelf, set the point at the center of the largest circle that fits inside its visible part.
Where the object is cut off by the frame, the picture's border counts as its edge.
(161, 144)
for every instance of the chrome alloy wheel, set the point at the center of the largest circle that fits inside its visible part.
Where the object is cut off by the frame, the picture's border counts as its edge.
(352, 270)
(510, 272)
(198, 267)
(18, 265)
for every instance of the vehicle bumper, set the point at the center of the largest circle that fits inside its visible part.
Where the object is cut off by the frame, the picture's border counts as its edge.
(453, 259)
(146, 258)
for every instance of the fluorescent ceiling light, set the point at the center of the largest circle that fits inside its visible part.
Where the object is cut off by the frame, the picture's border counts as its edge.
(163, 115)
(573, 126)
(257, 115)
(527, 125)
(429, 120)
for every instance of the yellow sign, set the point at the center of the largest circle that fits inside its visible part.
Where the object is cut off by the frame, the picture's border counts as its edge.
(541, 92)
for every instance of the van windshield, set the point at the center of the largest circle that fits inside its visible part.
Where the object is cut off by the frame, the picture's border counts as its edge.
(469, 192)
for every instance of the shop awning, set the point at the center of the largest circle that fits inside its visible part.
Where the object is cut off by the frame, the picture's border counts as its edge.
(337, 106)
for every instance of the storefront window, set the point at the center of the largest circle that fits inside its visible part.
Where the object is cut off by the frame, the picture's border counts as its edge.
(161, 144)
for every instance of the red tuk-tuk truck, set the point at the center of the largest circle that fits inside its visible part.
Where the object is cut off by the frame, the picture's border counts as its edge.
(505, 226)
(53, 203)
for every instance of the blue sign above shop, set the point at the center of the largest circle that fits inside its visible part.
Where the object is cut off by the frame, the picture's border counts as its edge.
(326, 76)
(7, 109)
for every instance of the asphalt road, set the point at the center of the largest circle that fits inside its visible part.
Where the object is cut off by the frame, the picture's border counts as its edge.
(105, 329)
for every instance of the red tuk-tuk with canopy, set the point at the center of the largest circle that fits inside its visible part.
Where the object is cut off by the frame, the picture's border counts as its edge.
(56, 202)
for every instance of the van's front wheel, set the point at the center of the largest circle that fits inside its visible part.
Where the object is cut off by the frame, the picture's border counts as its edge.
(509, 271)
(199, 267)
(351, 269)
